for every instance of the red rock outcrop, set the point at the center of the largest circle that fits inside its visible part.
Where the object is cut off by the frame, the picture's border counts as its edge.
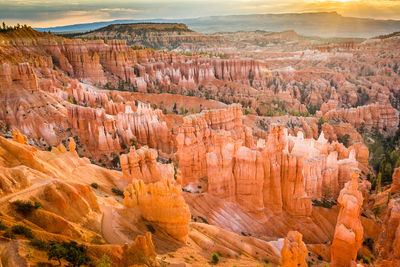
(105, 133)
(389, 239)
(294, 251)
(284, 173)
(199, 132)
(140, 252)
(161, 203)
(18, 137)
(381, 116)
(142, 164)
(349, 231)
(395, 188)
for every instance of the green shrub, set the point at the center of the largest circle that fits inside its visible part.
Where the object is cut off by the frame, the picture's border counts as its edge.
(366, 260)
(26, 207)
(104, 261)
(115, 159)
(94, 185)
(56, 252)
(345, 140)
(377, 210)
(117, 192)
(20, 229)
(215, 258)
(72, 252)
(39, 244)
(369, 242)
(325, 203)
(9, 234)
(2, 226)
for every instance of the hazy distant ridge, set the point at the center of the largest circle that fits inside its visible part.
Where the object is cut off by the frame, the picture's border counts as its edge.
(324, 24)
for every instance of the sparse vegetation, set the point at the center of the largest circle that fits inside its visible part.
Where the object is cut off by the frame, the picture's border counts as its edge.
(369, 242)
(6, 28)
(20, 229)
(9, 234)
(325, 203)
(94, 185)
(26, 207)
(2, 226)
(385, 157)
(117, 191)
(215, 258)
(72, 252)
(134, 143)
(39, 244)
(345, 140)
(104, 261)
(115, 159)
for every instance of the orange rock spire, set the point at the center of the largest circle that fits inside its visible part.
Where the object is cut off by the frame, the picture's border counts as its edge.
(349, 231)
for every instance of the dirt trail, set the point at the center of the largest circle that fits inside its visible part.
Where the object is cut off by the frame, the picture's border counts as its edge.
(108, 228)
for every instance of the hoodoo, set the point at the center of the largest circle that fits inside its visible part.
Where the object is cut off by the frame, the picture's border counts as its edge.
(165, 144)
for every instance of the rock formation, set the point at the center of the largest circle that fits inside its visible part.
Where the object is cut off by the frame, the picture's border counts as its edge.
(18, 137)
(105, 133)
(161, 203)
(395, 188)
(142, 164)
(381, 116)
(348, 236)
(294, 251)
(389, 239)
(141, 251)
(285, 173)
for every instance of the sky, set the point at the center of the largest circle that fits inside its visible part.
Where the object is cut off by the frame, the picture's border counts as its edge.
(47, 13)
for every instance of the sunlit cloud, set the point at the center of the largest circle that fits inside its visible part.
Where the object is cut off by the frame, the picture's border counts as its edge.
(119, 9)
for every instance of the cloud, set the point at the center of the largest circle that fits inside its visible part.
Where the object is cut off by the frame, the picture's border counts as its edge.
(120, 10)
(44, 13)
